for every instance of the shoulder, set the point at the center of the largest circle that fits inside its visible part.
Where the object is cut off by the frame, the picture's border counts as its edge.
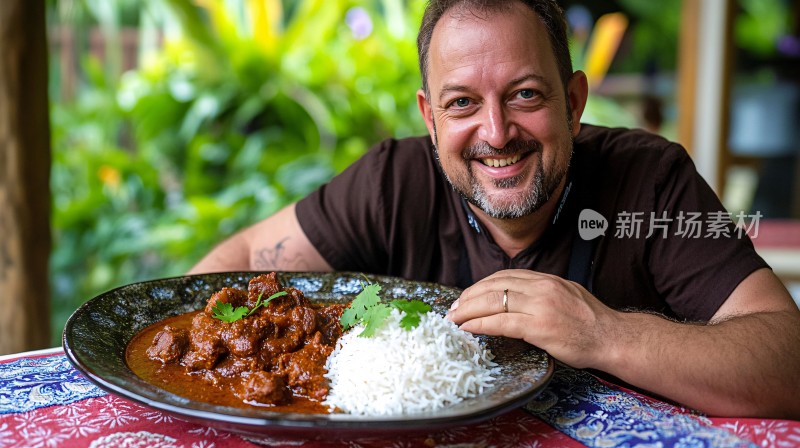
(392, 171)
(401, 164)
(632, 157)
(410, 149)
(623, 144)
(384, 194)
(393, 156)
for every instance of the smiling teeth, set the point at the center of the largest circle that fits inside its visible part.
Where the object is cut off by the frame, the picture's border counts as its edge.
(497, 163)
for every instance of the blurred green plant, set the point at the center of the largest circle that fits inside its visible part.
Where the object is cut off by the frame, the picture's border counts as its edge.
(653, 35)
(237, 108)
(760, 24)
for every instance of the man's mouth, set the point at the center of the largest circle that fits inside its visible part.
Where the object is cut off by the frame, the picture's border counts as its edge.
(497, 163)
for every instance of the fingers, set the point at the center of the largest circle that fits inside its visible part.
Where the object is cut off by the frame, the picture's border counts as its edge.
(512, 325)
(485, 298)
(511, 279)
(490, 302)
(500, 280)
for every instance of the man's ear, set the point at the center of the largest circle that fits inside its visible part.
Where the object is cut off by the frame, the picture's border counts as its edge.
(427, 112)
(577, 94)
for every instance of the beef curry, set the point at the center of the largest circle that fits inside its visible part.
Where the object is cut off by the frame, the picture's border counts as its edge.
(275, 356)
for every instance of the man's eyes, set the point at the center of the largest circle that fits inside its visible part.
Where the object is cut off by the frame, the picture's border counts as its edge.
(464, 102)
(461, 102)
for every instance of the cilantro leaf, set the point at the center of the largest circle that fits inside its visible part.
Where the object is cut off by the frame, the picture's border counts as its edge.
(413, 309)
(349, 318)
(226, 313)
(368, 309)
(368, 297)
(374, 319)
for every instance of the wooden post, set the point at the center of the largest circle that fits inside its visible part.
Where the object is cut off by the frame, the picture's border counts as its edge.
(687, 72)
(704, 78)
(24, 177)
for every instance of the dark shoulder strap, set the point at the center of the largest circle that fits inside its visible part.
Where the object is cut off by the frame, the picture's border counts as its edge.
(581, 261)
(464, 270)
(464, 279)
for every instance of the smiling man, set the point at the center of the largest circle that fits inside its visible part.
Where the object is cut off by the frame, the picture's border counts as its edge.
(501, 115)
(491, 201)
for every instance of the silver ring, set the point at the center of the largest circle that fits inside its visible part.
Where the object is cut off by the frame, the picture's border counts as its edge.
(505, 300)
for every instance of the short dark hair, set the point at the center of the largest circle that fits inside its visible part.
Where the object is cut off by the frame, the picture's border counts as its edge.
(548, 11)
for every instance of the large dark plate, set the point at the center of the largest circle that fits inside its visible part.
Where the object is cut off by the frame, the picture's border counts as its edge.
(96, 335)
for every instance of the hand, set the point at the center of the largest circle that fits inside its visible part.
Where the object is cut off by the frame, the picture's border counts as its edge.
(556, 315)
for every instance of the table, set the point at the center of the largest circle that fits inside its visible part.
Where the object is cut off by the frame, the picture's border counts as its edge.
(45, 402)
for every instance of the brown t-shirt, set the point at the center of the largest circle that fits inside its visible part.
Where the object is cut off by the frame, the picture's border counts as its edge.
(393, 212)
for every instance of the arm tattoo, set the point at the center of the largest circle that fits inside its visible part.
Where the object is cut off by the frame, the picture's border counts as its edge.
(274, 258)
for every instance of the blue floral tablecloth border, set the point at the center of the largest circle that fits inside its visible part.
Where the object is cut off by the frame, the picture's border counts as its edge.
(28, 384)
(575, 402)
(581, 406)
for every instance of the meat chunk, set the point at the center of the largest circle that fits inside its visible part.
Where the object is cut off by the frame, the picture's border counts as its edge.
(265, 388)
(242, 337)
(275, 347)
(206, 346)
(304, 368)
(304, 319)
(235, 367)
(328, 322)
(263, 285)
(168, 345)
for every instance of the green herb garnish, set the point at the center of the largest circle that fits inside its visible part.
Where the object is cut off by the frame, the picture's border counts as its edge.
(368, 309)
(414, 310)
(227, 313)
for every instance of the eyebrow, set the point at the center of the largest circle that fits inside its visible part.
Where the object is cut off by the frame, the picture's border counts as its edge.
(452, 88)
(448, 88)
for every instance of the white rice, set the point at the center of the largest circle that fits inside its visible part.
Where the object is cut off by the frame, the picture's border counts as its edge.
(398, 372)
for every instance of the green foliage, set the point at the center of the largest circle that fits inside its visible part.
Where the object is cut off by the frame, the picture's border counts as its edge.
(653, 35)
(760, 24)
(245, 107)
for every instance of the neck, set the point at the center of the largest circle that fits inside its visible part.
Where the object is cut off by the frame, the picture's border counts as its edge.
(515, 235)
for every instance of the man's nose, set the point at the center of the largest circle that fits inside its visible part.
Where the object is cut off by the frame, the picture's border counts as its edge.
(497, 129)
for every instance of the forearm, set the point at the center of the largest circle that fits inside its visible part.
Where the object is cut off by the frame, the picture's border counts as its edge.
(743, 366)
(274, 244)
(232, 254)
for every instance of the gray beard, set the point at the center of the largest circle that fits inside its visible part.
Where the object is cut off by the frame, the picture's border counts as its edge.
(537, 195)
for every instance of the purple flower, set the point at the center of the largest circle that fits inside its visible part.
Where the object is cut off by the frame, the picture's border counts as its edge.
(359, 22)
(789, 46)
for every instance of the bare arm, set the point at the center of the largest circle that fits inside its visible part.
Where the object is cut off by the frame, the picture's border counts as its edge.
(277, 243)
(743, 363)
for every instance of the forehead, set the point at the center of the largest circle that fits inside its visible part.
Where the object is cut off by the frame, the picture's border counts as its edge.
(467, 42)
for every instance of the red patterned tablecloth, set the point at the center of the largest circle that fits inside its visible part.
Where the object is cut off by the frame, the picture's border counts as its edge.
(45, 402)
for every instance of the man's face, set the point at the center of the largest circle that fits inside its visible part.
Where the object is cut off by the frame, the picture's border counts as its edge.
(497, 110)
